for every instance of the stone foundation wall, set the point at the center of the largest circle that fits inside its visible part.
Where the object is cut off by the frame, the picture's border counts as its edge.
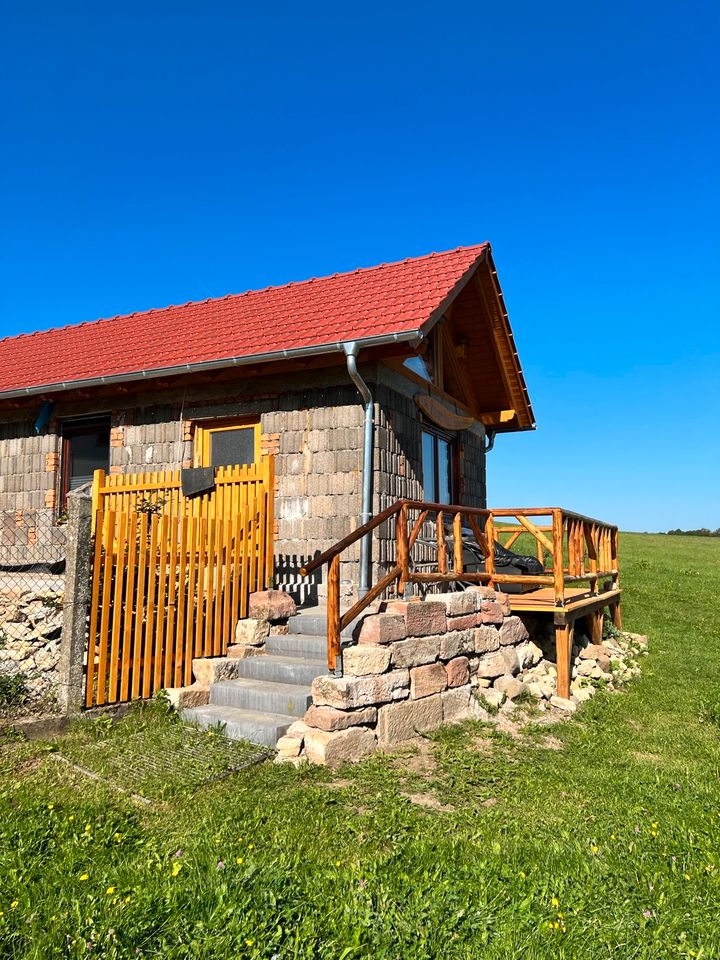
(30, 633)
(420, 664)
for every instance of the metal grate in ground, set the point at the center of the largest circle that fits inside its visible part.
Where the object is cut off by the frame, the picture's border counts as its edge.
(156, 764)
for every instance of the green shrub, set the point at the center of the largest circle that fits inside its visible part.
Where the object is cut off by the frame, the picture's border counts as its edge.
(13, 689)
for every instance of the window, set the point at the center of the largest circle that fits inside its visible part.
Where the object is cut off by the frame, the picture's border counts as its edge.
(85, 449)
(227, 444)
(438, 464)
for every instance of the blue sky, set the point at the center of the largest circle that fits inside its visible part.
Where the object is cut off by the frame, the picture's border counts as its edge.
(156, 153)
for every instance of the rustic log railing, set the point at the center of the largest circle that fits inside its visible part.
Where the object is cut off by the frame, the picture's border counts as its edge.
(577, 549)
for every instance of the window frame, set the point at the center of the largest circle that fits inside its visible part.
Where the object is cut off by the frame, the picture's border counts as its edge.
(204, 430)
(78, 426)
(437, 433)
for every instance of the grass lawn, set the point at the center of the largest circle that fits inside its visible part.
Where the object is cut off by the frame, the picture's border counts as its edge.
(601, 841)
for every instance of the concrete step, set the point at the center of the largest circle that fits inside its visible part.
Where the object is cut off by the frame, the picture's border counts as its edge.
(314, 623)
(280, 669)
(303, 645)
(240, 724)
(283, 698)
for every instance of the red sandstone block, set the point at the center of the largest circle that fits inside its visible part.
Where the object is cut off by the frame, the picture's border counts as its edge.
(467, 622)
(491, 612)
(458, 672)
(425, 619)
(382, 628)
(427, 680)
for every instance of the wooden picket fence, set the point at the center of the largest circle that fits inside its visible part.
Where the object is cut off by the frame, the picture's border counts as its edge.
(171, 576)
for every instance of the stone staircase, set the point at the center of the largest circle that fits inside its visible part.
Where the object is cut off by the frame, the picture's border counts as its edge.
(270, 691)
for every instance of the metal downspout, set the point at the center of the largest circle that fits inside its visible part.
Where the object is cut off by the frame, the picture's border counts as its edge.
(351, 351)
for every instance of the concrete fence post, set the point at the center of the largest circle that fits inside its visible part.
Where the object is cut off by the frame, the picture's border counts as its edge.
(77, 592)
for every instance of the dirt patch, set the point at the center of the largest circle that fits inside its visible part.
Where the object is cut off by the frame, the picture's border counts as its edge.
(418, 758)
(551, 743)
(647, 757)
(429, 802)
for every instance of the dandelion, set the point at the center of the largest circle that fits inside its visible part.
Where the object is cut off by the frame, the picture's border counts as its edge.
(594, 849)
(249, 943)
(128, 898)
(85, 876)
(110, 890)
(51, 806)
(71, 817)
(176, 868)
(117, 837)
(239, 860)
(555, 902)
(687, 876)
(251, 846)
(14, 904)
(522, 874)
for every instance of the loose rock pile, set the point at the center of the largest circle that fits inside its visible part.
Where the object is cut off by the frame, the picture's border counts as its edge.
(419, 664)
(30, 631)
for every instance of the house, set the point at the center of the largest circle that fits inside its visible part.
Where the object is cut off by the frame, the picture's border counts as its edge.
(366, 386)
(308, 437)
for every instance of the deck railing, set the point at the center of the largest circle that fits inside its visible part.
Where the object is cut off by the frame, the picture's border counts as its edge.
(572, 548)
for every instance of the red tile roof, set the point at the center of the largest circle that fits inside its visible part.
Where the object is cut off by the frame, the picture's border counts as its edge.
(395, 298)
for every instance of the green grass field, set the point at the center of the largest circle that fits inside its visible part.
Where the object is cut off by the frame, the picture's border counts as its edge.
(602, 841)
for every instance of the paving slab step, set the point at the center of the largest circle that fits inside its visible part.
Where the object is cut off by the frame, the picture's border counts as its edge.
(303, 645)
(315, 624)
(280, 669)
(241, 724)
(263, 695)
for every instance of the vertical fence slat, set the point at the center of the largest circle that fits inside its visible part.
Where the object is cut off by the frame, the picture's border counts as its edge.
(98, 526)
(150, 609)
(140, 605)
(108, 537)
(118, 606)
(172, 598)
(179, 639)
(159, 632)
(130, 607)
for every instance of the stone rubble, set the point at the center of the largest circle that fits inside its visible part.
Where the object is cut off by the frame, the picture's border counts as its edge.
(30, 632)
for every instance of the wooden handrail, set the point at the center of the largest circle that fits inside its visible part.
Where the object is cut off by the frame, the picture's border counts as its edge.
(351, 538)
(569, 531)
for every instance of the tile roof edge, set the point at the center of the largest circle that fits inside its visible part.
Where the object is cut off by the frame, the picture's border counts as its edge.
(480, 247)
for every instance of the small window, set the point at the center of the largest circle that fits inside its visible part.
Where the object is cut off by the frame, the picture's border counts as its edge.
(85, 449)
(438, 464)
(228, 444)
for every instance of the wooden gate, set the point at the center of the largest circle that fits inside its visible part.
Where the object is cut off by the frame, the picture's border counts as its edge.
(172, 575)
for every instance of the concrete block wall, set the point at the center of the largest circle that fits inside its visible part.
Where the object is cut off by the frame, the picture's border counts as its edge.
(312, 422)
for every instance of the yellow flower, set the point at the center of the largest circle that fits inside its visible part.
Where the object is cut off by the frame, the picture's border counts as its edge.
(117, 837)
(14, 904)
(71, 817)
(127, 899)
(250, 846)
(249, 943)
(176, 868)
(239, 860)
(110, 890)
(687, 876)
(50, 806)
(554, 902)
(594, 849)
(522, 874)
(85, 876)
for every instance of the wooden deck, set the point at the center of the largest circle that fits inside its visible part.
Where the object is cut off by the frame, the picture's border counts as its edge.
(578, 603)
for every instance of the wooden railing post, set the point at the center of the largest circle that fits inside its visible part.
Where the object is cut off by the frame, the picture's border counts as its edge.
(490, 545)
(441, 542)
(333, 613)
(558, 560)
(403, 548)
(457, 544)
